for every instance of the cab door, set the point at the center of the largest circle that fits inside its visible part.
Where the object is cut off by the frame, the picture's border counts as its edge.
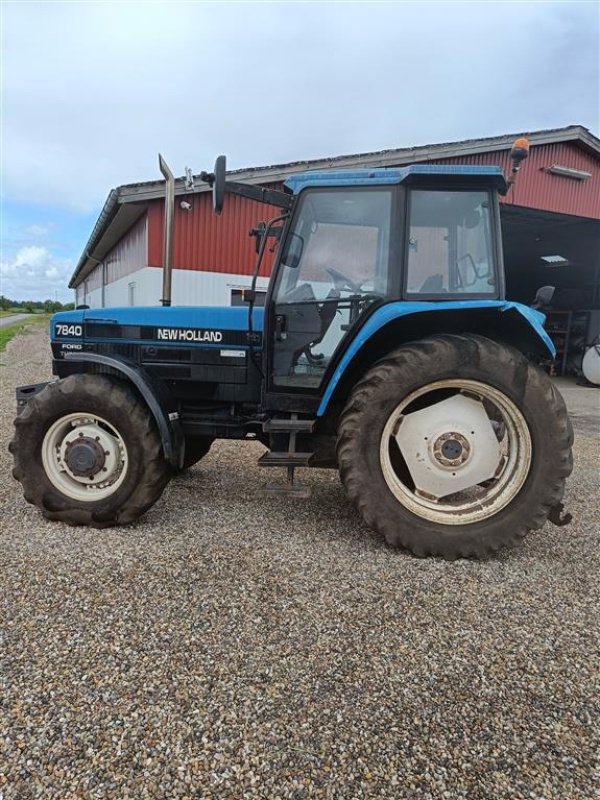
(334, 265)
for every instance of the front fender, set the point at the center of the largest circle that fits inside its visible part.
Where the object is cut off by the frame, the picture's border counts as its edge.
(156, 396)
(399, 322)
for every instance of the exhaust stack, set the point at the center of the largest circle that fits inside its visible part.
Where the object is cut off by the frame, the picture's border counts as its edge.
(168, 230)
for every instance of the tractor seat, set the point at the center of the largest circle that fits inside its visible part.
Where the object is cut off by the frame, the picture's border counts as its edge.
(434, 284)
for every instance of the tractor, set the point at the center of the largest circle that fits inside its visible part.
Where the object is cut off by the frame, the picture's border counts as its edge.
(385, 349)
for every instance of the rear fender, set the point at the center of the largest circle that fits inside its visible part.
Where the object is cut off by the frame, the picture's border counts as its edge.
(154, 393)
(394, 324)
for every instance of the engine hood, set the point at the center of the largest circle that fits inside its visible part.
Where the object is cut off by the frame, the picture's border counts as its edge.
(207, 325)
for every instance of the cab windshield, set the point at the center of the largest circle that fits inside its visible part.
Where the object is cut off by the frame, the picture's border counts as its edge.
(337, 235)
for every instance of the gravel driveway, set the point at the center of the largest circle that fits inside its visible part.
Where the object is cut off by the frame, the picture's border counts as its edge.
(230, 646)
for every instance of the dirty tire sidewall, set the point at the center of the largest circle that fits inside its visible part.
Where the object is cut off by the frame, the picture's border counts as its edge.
(422, 363)
(112, 399)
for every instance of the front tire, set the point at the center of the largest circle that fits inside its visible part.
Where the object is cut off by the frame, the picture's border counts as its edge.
(455, 446)
(87, 452)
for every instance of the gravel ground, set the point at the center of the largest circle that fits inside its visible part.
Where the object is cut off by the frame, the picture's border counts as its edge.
(230, 646)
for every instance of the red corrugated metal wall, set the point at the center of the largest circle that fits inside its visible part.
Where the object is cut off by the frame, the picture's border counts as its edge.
(203, 241)
(536, 188)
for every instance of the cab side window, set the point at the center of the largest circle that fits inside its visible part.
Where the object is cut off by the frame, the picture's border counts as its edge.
(449, 244)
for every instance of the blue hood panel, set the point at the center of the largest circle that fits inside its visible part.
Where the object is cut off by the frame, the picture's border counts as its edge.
(230, 318)
(191, 325)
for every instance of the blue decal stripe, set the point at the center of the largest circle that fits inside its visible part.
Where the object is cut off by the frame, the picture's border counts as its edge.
(153, 343)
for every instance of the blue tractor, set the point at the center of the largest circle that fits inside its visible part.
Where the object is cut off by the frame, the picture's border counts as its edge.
(385, 349)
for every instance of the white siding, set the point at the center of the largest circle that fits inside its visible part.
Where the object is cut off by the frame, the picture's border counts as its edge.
(190, 288)
(93, 298)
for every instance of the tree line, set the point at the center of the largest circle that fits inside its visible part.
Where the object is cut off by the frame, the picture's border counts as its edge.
(31, 306)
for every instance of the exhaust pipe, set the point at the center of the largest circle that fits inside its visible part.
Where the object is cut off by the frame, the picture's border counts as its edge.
(168, 230)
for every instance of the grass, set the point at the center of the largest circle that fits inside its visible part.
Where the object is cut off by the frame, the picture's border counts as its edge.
(10, 331)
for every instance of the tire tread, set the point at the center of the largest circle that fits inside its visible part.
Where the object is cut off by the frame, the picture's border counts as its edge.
(416, 358)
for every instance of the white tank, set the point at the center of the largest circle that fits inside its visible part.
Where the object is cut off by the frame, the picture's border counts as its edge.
(591, 365)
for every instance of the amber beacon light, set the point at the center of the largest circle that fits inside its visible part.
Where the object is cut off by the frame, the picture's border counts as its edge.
(518, 153)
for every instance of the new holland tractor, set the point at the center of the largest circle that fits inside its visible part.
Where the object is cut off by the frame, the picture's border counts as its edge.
(385, 349)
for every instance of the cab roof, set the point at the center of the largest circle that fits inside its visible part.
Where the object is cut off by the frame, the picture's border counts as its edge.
(412, 174)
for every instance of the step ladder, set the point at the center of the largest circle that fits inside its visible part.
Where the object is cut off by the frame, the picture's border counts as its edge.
(290, 458)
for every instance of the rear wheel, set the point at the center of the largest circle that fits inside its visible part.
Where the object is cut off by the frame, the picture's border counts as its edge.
(87, 452)
(455, 446)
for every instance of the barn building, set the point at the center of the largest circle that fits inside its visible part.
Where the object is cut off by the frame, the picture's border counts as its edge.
(550, 219)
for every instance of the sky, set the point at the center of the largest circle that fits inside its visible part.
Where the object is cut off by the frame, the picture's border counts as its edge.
(92, 91)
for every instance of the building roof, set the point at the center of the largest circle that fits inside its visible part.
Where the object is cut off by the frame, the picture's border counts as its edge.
(126, 204)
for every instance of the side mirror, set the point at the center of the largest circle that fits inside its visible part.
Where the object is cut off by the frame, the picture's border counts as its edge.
(543, 297)
(293, 251)
(218, 186)
(216, 180)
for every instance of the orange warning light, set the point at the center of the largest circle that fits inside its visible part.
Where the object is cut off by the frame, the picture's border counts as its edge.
(521, 144)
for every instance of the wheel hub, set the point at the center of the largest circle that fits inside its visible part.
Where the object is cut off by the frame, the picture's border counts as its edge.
(84, 456)
(451, 449)
(449, 446)
(89, 454)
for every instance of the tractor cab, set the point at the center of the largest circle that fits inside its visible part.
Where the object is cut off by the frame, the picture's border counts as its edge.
(357, 240)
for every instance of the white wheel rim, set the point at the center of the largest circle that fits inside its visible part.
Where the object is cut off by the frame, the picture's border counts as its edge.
(100, 441)
(456, 467)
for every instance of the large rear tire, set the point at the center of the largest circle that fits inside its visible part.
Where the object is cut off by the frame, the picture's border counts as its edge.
(87, 452)
(455, 446)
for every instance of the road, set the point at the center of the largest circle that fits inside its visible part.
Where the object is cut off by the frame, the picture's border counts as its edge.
(4, 321)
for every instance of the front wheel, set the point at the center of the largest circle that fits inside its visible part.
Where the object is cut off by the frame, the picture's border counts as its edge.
(87, 452)
(455, 446)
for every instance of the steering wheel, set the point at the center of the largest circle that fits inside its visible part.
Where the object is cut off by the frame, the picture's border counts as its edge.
(342, 282)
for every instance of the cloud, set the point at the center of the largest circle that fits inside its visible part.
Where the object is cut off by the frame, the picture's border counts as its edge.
(34, 273)
(94, 90)
(38, 230)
